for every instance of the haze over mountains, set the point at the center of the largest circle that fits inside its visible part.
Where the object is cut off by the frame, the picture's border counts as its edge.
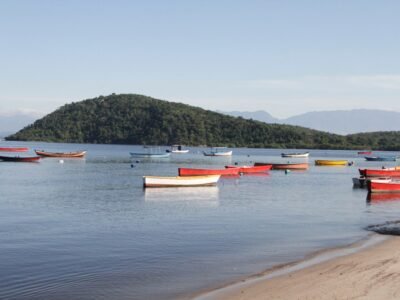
(12, 122)
(339, 121)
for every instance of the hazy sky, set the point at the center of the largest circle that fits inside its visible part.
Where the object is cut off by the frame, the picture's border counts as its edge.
(285, 57)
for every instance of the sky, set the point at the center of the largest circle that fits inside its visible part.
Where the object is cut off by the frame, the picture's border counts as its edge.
(284, 57)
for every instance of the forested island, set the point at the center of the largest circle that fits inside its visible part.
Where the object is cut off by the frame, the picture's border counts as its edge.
(141, 120)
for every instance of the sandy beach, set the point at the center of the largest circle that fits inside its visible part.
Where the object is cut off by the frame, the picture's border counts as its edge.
(368, 272)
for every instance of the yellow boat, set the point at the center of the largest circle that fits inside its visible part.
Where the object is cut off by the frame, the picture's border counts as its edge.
(328, 162)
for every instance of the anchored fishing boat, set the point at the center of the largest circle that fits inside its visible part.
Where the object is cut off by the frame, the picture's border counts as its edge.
(218, 151)
(296, 155)
(198, 172)
(179, 181)
(20, 158)
(381, 158)
(330, 162)
(76, 154)
(178, 149)
(251, 169)
(14, 149)
(285, 166)
(389, 172)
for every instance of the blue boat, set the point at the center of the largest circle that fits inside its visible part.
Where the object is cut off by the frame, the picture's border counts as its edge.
(381, 158)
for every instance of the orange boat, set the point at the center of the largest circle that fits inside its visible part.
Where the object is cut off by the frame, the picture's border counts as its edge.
(76, 154)
(389, 172)
(251, 169)
(199, 172)
(287, 166)
(14, 149)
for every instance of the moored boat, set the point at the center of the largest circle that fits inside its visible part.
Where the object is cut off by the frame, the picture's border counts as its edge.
(251, 169)
(285, 166)
(218, 151)
(20, 158)
(390, 172)
(378, 186)
(296, 155)
(151, 152)
(198, 172)
(179, 181)
(364, 152)
(381, 158)
(178, 149)
(75, 154)
(330, 162)
(14, 149)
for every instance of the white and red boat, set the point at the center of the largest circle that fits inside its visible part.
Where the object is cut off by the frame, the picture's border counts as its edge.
(179, 181)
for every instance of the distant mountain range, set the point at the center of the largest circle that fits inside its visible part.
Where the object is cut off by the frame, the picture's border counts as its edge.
(12, 122)
(338, 121)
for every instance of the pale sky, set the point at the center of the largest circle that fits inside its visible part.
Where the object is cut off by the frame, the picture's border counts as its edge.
(284, 57)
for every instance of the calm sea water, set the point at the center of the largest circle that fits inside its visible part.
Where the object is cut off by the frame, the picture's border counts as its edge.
(86, 229)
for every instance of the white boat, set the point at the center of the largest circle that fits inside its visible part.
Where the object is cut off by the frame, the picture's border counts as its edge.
(296, 155)
(183, 181)
(218, 151)
(150, 152)
(177, 149)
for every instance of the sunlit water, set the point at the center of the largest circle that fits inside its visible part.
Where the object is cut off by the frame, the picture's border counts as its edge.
(86, 229)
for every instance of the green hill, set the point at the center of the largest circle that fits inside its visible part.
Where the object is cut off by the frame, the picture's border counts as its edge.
(137, 119)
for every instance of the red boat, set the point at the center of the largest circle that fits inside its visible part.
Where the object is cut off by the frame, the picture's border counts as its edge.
(364, 152)
(390, 172)
(14, 149)
(251, 169)
(287, 166)
(198, 172)
(20, 158)
(383, 187)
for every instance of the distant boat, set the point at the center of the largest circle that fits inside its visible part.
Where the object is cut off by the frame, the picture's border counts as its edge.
(285, 166)
(20, 158)
(76, 154)
(329, 162)
(151, 152)
(381, 158)
(364, 152)
(251, 169)
(296, 155)
(197, 172)
(218, 151)
(14, 149)
(179, 181)
(178, 149)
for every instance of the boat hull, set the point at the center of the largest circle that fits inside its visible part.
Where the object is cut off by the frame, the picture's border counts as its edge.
(296, 155)
(149, 155)
(14, 149)
(227, 153)
(179, 181)
(287, 166)
(251, 169)
(180, 151)
(323, 162)
(380, 158)
(77, 154)
(200, 172)
(379, 172)
(20, 159)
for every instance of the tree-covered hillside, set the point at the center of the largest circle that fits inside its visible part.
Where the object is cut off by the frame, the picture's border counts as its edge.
(137, 119)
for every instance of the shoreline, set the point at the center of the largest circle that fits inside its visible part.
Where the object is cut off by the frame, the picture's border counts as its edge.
(302, 279)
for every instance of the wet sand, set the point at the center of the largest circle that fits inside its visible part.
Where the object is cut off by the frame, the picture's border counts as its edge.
(366, 270)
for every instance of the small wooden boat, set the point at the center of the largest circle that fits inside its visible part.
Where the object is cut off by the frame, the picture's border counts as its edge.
(285, 166)
(76, 154)
(390, 172)
(178, 149)
(198, 172)
(296, 155)
(14, 149)
(218, 151)
(329, 162)
(20, 158)
(251, 169)
(364, 152)
(179, 181)
(381, 158)
(378, 186)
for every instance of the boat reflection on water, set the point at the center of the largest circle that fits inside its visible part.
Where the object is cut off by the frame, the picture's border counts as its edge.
(202, 196)
(375, 198)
